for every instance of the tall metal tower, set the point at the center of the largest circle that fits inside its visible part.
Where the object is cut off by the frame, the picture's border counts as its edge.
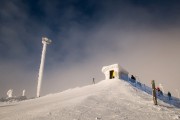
(45, 42)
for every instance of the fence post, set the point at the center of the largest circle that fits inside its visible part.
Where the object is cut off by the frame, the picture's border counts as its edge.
(154, 92)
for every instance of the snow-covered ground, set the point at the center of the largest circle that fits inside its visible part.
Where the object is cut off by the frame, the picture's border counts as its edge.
(108, 100)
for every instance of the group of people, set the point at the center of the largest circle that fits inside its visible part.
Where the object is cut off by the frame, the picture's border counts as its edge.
(160, 93)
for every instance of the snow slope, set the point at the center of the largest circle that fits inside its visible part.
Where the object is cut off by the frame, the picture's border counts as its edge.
(107, 100)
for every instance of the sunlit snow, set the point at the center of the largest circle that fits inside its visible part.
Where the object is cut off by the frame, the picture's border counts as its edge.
(111, 99)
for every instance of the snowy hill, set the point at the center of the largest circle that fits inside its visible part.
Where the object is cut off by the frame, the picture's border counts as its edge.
(108, 100)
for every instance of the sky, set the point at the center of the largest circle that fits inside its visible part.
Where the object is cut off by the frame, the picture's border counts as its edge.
(141, 36)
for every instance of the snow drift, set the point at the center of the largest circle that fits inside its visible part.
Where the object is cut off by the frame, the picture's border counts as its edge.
(112, 99)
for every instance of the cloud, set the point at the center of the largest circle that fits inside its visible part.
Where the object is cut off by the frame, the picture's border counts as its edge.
(85, 38)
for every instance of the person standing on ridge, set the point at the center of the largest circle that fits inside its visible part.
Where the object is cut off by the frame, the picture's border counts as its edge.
(133, 79)
(93, 81)
(169, 95)
(158, 91)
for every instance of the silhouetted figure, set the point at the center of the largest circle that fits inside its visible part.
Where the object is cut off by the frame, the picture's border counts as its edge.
(132, 77)
(159, 91)
(169, 95)
(94, 81)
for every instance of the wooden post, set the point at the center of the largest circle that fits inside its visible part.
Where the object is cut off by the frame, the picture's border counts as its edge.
(154, 92)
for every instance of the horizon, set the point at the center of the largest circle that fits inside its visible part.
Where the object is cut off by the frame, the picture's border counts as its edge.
(141, 36)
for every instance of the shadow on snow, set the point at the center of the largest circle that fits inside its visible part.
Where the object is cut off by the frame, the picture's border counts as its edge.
(173, 101)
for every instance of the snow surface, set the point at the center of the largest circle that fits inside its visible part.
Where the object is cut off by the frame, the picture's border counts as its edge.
(107, 100)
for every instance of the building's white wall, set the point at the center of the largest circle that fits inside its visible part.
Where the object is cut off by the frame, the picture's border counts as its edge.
(120, 73)
(107, 75)
(106, 70)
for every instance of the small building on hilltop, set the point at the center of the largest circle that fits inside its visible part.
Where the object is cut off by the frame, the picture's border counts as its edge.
(115, 71)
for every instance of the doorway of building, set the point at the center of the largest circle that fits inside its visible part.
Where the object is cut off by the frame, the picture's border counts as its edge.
(111, 74)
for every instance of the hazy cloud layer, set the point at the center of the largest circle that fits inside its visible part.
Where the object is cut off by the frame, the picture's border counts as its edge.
(143, 37)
